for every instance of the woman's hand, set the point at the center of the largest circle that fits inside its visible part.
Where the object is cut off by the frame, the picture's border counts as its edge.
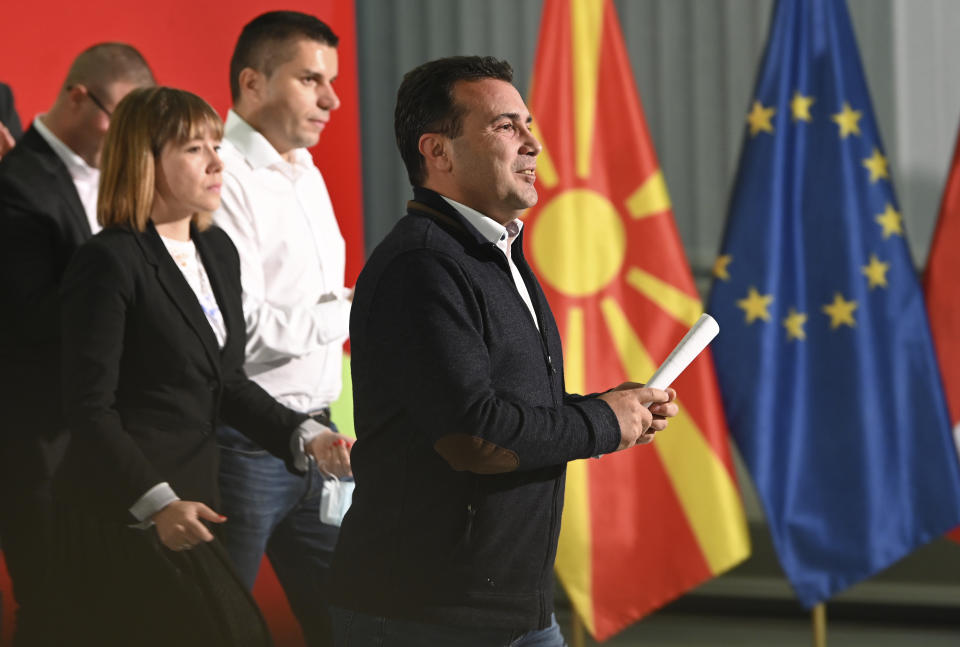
(179, 524)
(332, 453)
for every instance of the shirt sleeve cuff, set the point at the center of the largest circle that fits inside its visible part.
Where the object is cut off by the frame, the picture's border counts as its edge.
(156, 499)
(307, 431)
(332, 318)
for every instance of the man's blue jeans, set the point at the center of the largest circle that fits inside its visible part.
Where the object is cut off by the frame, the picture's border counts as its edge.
(269, 510)
(352, 629)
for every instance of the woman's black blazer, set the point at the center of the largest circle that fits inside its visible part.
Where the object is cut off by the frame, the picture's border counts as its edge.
(145, 382)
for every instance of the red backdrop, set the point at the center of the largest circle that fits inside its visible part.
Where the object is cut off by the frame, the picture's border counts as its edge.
(188, 45)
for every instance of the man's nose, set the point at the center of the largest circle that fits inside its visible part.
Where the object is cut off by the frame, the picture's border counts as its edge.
(531, 144)
(328, 99)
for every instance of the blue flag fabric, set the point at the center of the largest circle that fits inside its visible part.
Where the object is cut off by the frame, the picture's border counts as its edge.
(825, 360)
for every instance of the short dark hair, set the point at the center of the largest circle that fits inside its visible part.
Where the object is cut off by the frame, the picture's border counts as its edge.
(104, 63)
(265, 42)
(425, 103)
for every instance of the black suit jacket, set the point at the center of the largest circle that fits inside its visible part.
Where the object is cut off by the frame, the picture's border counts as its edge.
(145, 382)
(42, 222)
(8, 113)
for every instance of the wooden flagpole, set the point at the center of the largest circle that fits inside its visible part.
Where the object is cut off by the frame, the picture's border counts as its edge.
(819, 618)
(577, 630)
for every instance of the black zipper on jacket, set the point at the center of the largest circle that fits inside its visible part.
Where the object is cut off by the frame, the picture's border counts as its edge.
(472, 506)
(454, 227)
(449, 223)
(501, 260)
(547, 569)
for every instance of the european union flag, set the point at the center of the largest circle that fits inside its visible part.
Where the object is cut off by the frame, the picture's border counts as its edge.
(825, 360)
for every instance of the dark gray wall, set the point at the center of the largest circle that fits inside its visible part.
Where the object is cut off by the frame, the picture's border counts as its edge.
(694, 63)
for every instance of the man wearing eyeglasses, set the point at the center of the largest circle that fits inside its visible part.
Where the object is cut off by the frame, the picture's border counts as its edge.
(48, 204)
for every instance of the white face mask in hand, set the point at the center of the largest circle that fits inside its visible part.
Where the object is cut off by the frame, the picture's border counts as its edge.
(335, 500)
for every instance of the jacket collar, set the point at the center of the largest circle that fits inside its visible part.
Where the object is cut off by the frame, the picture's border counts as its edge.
(445, 215)
(58, 173)
(75, 164)
(427, 202)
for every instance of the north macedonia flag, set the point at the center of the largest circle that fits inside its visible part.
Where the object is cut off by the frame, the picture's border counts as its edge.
(643, 526)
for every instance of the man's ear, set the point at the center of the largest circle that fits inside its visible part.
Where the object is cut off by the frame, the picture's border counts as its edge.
(252, 83)
(75, 95)
(434, 148)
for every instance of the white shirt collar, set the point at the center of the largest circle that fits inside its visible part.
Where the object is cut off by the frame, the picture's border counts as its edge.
(259, 152)
(489, 228)
(497, 234)
(77, 166)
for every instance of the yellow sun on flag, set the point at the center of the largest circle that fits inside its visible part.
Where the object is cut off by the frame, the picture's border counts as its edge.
(584, 264)
(604, 244)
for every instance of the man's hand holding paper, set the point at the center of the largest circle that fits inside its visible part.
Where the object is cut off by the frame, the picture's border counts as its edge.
(638, 421)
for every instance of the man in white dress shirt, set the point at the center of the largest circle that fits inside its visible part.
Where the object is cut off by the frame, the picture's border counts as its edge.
(276, 209)
(48, 204)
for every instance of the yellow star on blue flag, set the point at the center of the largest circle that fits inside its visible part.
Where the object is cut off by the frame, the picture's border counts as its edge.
(809, 315)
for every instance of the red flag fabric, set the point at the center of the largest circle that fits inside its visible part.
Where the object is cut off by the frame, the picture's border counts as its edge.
(643, 526)
(943, 297)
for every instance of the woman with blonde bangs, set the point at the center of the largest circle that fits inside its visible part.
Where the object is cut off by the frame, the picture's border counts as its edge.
(153, 349)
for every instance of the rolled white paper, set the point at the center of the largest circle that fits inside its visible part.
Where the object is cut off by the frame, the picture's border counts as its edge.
(697, 338)
(692, 344)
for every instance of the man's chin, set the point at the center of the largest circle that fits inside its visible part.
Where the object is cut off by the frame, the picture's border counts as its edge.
(528, 198)
(309, 140)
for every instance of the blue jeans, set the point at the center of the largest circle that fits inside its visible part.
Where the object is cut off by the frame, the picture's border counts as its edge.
(353, 629)
(269, 510)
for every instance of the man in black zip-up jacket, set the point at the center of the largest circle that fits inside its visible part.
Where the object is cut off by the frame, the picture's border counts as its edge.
(464, 428)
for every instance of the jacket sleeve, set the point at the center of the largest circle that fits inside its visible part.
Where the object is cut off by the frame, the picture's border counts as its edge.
(430, 328)
(29, 262)
(244, 404)
(256, 414)
(96, 292)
